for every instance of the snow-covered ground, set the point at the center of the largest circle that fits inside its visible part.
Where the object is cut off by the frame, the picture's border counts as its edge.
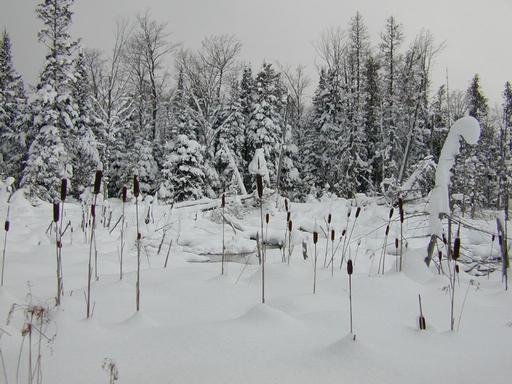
(196, 326)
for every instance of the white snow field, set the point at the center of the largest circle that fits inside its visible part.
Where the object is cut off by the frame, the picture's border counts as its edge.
(196, 326)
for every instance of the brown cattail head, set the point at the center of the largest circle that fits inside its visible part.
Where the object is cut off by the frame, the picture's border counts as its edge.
(349, 211)
(56, 211)
(333, 234)
(93, 210)
(136, 186)
(350, 267)
(457, 268)
(267, 218)
(440, 255)
(290, 226)
(315, 237)
(97, 181)
(63, 189)
(329, 218)
(444, 239)
(223, 201)
(343, 232)
(7, 225)
(125, 194)
(401, 209)
(387, 230)
(456, 248)
(139, 236)
(358, 211)
(391, 212)
(286, 204)
(492, 238)
(288, 216)
(396, 243)
(259, 185)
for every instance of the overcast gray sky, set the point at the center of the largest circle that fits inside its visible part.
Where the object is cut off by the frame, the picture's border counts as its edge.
(477, 33)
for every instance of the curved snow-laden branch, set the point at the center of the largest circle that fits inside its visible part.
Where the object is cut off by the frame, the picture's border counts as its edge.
(468, 128)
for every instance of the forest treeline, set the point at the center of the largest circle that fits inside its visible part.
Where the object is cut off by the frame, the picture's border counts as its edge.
(183, 119)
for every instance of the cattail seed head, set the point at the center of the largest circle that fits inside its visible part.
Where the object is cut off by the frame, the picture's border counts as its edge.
(59, 244)
(350, 267)
(444, 239)
(267, 218)
(286, 204)
(223, 201)
(259, 185)
(139, 236)
(125, 194)
(391, 212)
(401, 209)
(456, 248)
(396, 243)
(387, 230)
(349, 211)
(315, 237)
(56, 211)
(358, 211)
(93, 211)
(457, 268)
(63, 189)
(329, 218)
(333, 234)
(288, 216)
(136, 186)
(492, 238)
(7, 225)
(343, 232)
(290, 226)
(440, 255)
(97, 181)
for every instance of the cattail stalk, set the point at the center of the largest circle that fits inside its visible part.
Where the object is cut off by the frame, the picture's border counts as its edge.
(315, 240)
(333, 235)
(401, 211)
(6, 229)
(455, 256)
(136, 192)
(223, 205)
(56, 214)
(259, 187)
(422, 321)
(329, 218)
(350, 270)
(97, 186)
(358, 211)
(290, 228)
(384, 246)
(124, 198)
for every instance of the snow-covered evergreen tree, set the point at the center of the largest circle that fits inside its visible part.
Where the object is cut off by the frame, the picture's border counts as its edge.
(266, 126)
(53, 108)
(183, 173)
(13, 120)
(231, 135)
(85, 156)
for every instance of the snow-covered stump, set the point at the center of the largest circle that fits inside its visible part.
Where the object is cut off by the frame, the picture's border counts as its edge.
(439, 204)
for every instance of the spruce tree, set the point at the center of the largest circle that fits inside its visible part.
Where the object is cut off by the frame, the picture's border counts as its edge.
(54, 110)
(85, 156)
(13, 120)
(266, 125)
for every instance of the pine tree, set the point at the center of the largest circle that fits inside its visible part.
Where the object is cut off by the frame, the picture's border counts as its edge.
(183, 173)
(54, 110)
(266, 125)
(231, 135)
(84, 151)
(13, 120)
(247, 95)
(391, 40)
